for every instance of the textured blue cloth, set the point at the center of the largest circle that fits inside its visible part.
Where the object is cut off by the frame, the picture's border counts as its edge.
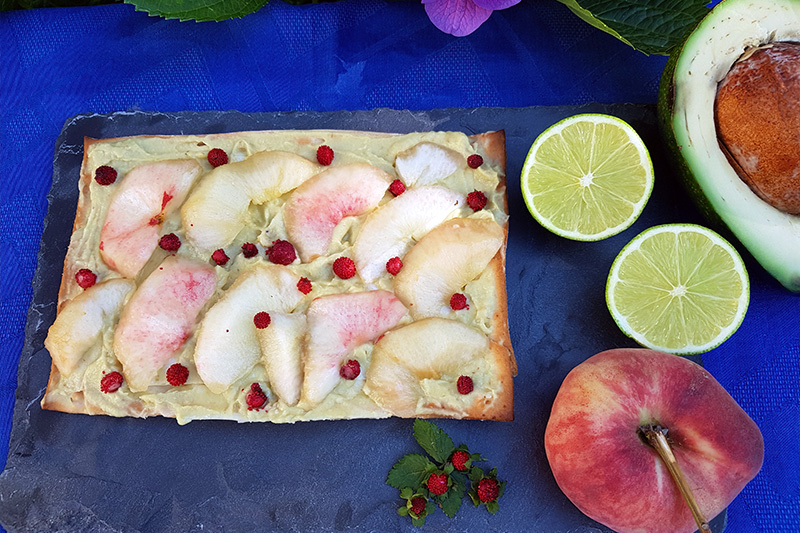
(358, 54)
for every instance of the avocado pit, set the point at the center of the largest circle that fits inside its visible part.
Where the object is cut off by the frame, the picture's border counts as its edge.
(757, 115)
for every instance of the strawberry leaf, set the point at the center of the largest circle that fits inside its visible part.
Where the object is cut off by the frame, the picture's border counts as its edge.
(433, 440)
(198, 10)
(410, 472)
(451, 500)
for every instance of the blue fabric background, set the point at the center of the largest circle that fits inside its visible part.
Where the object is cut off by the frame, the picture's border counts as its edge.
(358, 54)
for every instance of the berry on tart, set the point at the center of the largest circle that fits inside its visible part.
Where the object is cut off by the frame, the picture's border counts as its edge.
(217, 157)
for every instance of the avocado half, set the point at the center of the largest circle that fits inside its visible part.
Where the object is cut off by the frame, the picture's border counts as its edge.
(686, 115)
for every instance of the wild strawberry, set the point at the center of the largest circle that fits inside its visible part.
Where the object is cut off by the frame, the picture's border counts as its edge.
(255, 397)
(85, 278)
(476, 200)
(458, 302)
(394, 265)
(459, 460)
(488, 489)
(249, 250)
(177, 374)
(325, 155)
(220, 257)
(344, 267)
(464, 385)
(217, 157)
(397, 187)
(170, 242)
(437, 484)
(281, 252)
(474, 161)
(262, 320)
(304, 285)
(111, 382)
(350, 370)
(418, 505)
(105, 175)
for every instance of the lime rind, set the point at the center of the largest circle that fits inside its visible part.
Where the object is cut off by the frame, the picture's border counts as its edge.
(688, 349)
(594, 119)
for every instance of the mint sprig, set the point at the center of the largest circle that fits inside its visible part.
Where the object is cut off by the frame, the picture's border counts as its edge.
(411, 473)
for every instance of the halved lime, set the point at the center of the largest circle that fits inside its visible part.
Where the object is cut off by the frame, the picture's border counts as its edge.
(678, 288)
(587, 177)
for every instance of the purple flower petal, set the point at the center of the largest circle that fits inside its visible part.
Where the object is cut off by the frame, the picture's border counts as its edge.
(496, 5)
(456, 17)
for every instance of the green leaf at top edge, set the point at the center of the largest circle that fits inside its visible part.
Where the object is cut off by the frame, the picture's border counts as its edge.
(198, 10)
(410, 471)
(650, 26)
(433, 440)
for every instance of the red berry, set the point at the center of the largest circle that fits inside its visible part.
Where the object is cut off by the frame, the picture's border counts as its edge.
(281, 252)
(464, 384)
(220, 257)
(177, 374)
(474, 161)
(350, 370)
(304, 285)
(344, 267)
(111, 382)
(105, 175)
(458, 302)
(418, 505)
(217, 157)
(262, 320)
(394, 265)
(397, 187)
(325, 155)
(85, 278)
(170, 242)
(437, 484)
(249, 250)
(256, 397)
(459, 460)
(488, 489)
(476, 200)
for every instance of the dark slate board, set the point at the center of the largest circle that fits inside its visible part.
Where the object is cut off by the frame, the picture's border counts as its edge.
(80, 473)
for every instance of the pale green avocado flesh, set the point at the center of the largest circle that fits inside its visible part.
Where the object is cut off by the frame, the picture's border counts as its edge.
(686, 112)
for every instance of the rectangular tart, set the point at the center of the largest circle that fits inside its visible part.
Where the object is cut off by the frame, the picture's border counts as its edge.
(285, 276)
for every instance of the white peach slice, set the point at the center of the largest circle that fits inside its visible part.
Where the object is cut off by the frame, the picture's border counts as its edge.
(160, 316)
(227, 347)
(313, 210)
(79, 323)
(427, 163)
(216, 211)
(391, 229)
(282, 349)
(415, 370)
(337, 325)
(441, 263)
(145, 196)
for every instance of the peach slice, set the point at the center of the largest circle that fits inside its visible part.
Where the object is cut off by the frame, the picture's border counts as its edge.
(80, 321)
(427, 163)
(391, 229)
(415, 369)
(282, 348)
(160, 316)
(338, 324)
(147, 195)
(217, 209)
(313, 210)
(227, 347)
(441, 263)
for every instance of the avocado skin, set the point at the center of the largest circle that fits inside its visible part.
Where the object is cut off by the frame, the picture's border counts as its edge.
(787, 275)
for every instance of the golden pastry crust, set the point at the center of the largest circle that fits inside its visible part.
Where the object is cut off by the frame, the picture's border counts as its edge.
(63, 395)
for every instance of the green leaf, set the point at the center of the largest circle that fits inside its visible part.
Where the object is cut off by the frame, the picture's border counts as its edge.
(403, 511)
(476, 473)
(410, 471)
(451, 500)
(492, 507)
(407, 493)
(198, 10)
(418, 522)
(433, 440)
(650, 26)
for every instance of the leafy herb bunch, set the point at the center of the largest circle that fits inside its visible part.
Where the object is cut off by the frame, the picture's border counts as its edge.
(442, 477)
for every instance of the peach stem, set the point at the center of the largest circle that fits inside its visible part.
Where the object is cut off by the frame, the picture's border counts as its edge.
(658, 440)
